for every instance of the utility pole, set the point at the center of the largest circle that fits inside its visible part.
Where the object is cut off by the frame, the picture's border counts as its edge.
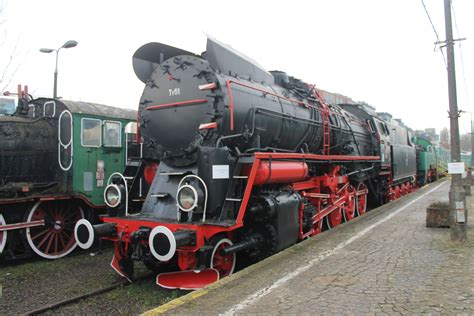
(457, 195)
(471, 181)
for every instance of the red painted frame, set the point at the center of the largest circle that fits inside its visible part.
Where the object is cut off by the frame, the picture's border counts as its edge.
(204, 232)
(176, 104)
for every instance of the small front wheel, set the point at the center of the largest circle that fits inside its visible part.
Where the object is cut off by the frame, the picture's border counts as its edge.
(223, 263)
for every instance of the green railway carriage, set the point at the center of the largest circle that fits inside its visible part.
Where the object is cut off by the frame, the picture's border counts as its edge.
(444, 157)
(55, 159)
(427, 161)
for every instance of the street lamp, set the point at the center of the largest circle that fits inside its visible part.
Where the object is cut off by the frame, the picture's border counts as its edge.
(68, 44)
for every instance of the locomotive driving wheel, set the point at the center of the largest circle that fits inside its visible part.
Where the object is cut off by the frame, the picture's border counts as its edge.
(408, 187)
(403, 189)
(224, 264)
(3, 234)
(349, 209)
(361, 199)
(334, 218)
(56, 238)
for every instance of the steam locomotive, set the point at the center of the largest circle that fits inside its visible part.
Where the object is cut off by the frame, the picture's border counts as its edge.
(251, 162)
(55, 157)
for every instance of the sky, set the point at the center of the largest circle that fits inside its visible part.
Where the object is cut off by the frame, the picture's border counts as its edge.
(378, 51)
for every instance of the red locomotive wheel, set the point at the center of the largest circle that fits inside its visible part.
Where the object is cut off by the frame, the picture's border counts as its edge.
(56, 238)
(318, 227)
(335, 218)
(408, 187)
(224, 264)
(3, 235)
(392, 194)
(397, 192)
(350, 206)
(361, 199)
(403, 190)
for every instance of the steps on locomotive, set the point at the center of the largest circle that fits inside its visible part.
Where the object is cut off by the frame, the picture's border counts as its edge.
(132, 174)
(235, 193)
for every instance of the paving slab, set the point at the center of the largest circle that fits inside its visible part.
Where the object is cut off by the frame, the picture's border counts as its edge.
(385, 262)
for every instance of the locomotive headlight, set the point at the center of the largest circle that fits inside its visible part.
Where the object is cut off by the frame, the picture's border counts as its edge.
(112, 195)
(187, 198)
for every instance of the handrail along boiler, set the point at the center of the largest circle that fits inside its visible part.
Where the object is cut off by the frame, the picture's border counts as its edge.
(251, 162)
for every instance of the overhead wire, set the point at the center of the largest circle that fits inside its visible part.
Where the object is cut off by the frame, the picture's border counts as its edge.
(436, 33)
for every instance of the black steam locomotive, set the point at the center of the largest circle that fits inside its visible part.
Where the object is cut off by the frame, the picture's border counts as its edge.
(251, 162)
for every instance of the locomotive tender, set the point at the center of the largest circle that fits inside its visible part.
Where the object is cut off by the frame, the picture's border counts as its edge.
(55, 156)
(251, 162)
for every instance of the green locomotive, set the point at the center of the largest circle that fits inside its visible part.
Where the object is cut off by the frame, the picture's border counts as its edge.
(427, 161)
(55, 159)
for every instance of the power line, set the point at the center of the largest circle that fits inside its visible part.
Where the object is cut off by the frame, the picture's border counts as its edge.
(436, 33)
(460, 54)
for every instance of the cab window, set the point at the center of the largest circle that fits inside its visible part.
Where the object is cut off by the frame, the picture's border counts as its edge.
(90, 132)
(112, 135)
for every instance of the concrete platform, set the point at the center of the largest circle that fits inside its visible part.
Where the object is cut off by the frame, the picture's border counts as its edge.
(385, 262)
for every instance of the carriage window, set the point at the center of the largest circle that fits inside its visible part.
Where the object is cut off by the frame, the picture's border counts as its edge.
(90, 132)
(65, 122)
(112, 135)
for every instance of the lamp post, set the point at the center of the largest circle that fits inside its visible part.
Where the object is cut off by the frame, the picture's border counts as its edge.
(68, 44)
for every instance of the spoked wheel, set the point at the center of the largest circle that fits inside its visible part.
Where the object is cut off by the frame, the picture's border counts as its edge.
(361, 199)
(392, 194)
(397, 192)
(56, 238)
(403, 190)
(349, 209)
(224, 264)
(408, 187)
(334, 218)
(3, 235)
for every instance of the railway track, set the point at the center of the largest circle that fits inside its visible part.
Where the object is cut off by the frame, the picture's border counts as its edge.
(72, 300)
(77, 252)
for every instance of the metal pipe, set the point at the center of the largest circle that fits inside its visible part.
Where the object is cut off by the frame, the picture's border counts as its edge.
(250, 243)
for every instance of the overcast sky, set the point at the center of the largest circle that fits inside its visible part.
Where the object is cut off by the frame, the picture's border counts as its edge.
(378, 51)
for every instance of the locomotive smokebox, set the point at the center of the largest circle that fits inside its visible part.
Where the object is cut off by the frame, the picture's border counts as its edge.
(86, 233)
(176, 101)
(163, 242)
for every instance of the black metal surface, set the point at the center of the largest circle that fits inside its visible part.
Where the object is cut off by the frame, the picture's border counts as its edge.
(28, 155)
(148, 57)
(217, 188)
(172, 108)
(225, 59)
(105, 229)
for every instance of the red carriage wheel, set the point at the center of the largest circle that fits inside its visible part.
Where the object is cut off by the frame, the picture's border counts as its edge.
(334, 218)
(408, 187)
(56, 238)
(224, 264)
(361, 199)
(349, 209)
(3, 235)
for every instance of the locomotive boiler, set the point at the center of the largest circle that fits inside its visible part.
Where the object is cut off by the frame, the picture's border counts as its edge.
(251, 162)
